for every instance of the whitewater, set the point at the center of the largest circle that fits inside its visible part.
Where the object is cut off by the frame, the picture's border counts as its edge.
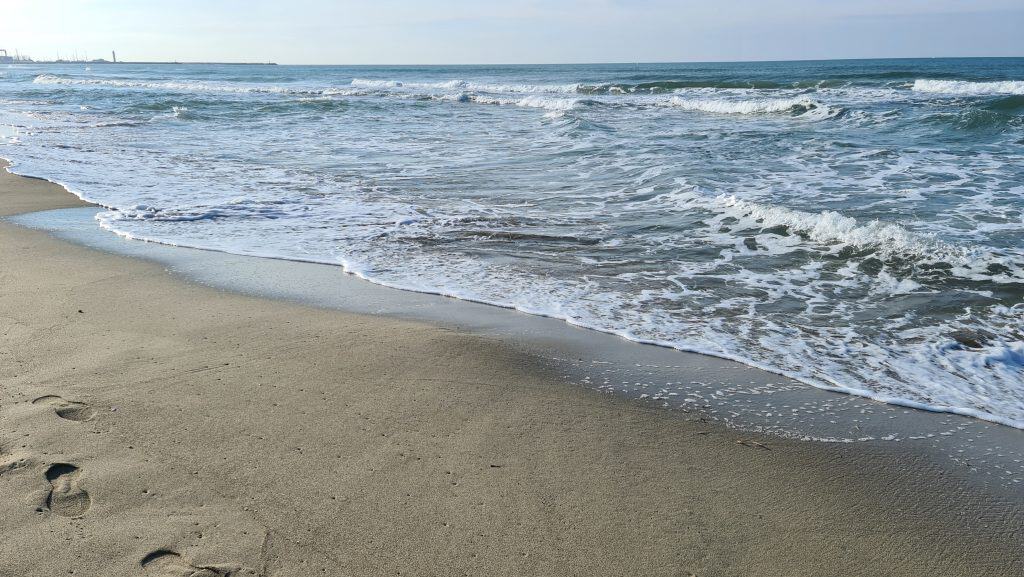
(856, 225)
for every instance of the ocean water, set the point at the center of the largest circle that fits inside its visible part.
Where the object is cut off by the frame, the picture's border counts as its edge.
(857, 225)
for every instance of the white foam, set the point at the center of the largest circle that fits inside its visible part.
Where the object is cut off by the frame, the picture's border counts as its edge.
(800, 104)
(467, 86)
(532, 101)
(364, 83)
(965, 88)
(887, 239)
(832, 227)
(358, 87)
(190, 86)
(888, 285)
(343, 92)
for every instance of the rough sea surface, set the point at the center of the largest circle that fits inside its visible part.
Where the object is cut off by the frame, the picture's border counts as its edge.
(857, 225)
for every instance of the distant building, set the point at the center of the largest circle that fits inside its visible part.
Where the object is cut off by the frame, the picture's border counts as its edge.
(5, 58)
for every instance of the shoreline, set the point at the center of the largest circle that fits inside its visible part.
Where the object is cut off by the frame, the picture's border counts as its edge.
(866, 394)
(272, 438)
(730, 392)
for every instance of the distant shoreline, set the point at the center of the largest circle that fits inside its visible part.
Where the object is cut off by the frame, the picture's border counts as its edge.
(145, 62)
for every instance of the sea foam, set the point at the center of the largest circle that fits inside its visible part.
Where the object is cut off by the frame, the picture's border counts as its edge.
(796, 105)
(533, 101)
(886, 239)
(965, 88)
(177, 86)
(463, 85)
(832, 227)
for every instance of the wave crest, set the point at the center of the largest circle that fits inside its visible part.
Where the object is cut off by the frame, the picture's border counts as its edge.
(533, 101)
(467, 86)
(887, 240)
(966, 88)
(832, 227)
(190, 86)
(798, 105)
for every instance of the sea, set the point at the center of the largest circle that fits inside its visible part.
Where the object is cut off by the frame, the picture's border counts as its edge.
(856, 225)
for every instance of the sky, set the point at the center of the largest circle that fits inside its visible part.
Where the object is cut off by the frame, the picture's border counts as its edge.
(510, 31)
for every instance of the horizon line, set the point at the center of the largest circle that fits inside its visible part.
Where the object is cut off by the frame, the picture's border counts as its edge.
(580, 63)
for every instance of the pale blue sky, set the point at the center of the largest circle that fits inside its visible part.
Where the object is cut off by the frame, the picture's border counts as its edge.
(477, 31)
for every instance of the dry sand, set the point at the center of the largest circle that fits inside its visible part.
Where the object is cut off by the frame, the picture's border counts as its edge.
(149, 426)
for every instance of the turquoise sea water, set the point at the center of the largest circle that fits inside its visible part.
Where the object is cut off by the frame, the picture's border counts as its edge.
(858, 225)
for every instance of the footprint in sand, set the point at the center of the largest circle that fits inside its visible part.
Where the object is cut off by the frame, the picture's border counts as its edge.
(70, 410)
(10, 463)
(165, 563)
(66, 497)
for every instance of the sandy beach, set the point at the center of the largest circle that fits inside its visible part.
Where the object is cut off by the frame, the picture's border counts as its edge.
(151, 426)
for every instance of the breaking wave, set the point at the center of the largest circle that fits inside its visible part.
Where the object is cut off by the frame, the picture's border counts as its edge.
(532, 101)
(966, 88)
(885, 240)
(190, 86)
(467, 86)
(798, 105)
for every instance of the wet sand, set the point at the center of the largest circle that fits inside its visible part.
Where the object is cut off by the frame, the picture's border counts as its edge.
(151, 426)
